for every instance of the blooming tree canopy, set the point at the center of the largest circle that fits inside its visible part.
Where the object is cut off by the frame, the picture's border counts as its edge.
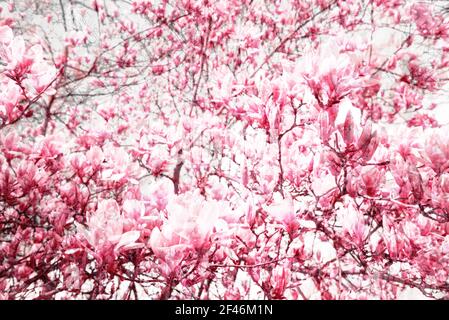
(224, 149)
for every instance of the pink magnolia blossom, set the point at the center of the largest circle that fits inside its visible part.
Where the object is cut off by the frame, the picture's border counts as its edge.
(106, 227)
(283, 211)
(353, 224)
(189, 227)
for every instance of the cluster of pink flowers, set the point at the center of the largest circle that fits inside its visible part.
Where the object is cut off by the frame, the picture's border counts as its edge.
(223, 150)
(25, 76)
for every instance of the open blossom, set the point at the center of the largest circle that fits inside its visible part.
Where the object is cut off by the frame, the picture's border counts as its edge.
(331, 76)
(372, 179)
(283, 210)
(25, 65)
(436, 152)
(11, 49)
(106, 229)
(189, 225)
(408, 178)
(440, 192)
(117, 165)
(8, 100)
(353, 224)
(280, 278)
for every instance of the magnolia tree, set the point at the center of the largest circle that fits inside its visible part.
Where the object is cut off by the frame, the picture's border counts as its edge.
(223, 149)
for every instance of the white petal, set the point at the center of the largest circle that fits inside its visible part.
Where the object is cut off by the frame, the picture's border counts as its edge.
(128, 238)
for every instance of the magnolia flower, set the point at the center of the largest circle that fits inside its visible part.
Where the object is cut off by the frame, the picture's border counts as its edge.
(283, 210)
(6, 35)
(105, 228)
(436, 151)
(190, 223)
(372, 178)
(329, 74)
(8, 99)
(134, 209)
(397, 244)
(117, 165)
(353, 224)
(11, 49)
(95, 156)
(280, 279)
(20, 61)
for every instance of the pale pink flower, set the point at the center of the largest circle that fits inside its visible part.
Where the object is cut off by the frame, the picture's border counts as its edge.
(105, 228)
(189, 226)
(280, 279)
(436, 151)
(283, 211)
(6, 35)
(353, 223)
(372, 179)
